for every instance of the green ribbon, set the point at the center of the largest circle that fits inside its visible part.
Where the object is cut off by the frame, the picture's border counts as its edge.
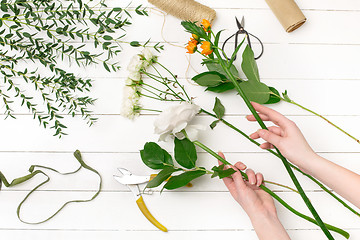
(34, 172)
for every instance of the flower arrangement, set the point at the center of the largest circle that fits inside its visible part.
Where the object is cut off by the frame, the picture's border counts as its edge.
(175, 123)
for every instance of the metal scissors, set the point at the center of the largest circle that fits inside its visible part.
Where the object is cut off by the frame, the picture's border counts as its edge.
(132, 181)
(241, 30)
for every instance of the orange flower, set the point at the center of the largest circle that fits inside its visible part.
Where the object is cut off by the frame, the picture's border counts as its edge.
(206, 48)
(194, 41)
(206, 24)
(191, 47)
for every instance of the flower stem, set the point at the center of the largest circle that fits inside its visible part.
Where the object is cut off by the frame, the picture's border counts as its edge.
(282, 158)
(274, 195)
(327, 120)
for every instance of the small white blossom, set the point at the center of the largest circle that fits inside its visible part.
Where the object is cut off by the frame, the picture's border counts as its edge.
(134, 76)
(174, 119)
(130, 103)
(148, 55)
(135, 64)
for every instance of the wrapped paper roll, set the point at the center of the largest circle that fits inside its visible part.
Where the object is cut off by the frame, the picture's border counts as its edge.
(288, 13)
(186, 9)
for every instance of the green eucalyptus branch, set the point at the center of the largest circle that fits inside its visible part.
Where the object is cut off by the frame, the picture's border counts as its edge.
(47, 33)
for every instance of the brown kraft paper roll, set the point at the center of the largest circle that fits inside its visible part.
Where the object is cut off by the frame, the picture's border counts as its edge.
(288, 13)
(186, 9)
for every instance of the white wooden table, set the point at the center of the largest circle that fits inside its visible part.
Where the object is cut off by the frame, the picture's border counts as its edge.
(319, 66)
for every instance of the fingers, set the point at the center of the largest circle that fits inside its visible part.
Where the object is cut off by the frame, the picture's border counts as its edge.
(251, 176)
(270, 137)
(259, 179)
(254, 179)
(240, 165)
(263, 117)
(269, 115)
(272, 129)
(221, 155)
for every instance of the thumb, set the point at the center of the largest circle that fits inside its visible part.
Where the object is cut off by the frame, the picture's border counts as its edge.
(269, 137)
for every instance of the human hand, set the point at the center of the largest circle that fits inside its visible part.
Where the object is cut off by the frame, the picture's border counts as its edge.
(286, 136)
(255, 201)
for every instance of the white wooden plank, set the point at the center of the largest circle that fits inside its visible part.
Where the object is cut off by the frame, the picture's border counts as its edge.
(335, 97)
(118, 211)
(349, 5)
(157, 235)
(14, 165)
(113, 133)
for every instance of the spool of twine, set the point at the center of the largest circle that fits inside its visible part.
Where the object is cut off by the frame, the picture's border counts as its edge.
(288, 13)
(186, 9)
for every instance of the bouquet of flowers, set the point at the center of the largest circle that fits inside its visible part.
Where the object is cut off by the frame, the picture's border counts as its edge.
(149, 78)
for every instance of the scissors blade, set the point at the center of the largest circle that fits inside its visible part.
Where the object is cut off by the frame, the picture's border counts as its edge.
(132, 179)
(238, 23)
(242, 23)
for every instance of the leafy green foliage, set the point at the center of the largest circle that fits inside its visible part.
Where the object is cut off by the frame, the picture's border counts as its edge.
(221, 88)
(214, 123)
(220, 172)
(209, 79)
(256, 92)
(219, 109)
(249, 65)
(192, 28)
(154, 156)
(185, 153)
(47, 34)
(274, 96)
(162, 176)
(213, 65)
(183, 179)
(253, 88)
(286, 96)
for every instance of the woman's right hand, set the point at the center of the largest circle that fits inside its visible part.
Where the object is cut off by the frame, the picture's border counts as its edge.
(286, 136)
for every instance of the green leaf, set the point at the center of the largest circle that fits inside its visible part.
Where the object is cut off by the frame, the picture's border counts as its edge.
(256, 91)
(183, 179)
(214, 66)
(26, 34)
(135, 44)
(107, 38)
(153, 156)
(106, 67)
(209, 79)
(168, 158)
(286, 97)
(221, 88)
(185, 153)
(249, 65)
(161, 176)
(191, 27)
(220, 172)
(214, 123)
(274, 96)
(219, 109)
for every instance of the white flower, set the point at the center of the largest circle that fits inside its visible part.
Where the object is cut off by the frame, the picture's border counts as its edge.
(174, 119)
(135, 64)
(130, 104)
(148, 55)
(134, 76)
(192, 131)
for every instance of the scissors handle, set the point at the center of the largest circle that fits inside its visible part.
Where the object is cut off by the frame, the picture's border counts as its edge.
(141, 204)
